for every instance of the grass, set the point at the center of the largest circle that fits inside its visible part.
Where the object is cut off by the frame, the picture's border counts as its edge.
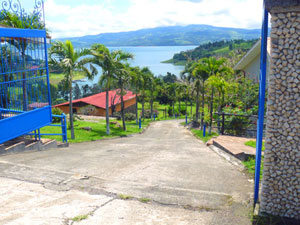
(55, 78)
(125, 197)
(199, 134)
(144, 200)
(253, 144)
(79, 218)
(250, 163)
(98, 131)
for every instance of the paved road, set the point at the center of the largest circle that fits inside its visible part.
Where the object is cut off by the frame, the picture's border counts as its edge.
(183, 181)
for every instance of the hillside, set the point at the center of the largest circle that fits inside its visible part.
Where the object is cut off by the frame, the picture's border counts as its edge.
(217, 49)
(167, 36)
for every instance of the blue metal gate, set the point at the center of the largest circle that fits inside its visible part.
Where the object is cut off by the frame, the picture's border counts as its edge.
(24, 77)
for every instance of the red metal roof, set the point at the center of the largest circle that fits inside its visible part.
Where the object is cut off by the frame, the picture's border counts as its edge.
(98, 100)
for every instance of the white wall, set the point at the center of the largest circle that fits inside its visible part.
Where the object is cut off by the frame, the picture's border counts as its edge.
(253, 68)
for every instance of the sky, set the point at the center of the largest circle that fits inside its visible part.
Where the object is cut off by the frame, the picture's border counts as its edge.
(73, 18)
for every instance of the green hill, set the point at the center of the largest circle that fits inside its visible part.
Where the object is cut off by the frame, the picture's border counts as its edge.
(167, 36)
(217, 49)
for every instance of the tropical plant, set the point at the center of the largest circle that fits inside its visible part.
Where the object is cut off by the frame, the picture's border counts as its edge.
(63, 55)
(111, 64)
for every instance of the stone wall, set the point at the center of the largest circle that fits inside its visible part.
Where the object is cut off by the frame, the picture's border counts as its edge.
(281, 182)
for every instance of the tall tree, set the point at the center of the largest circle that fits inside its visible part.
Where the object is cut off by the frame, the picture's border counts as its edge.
(214, 67)
(64, 56)
(110, 62)
(122, 79)
(136, 83)
(200, 74)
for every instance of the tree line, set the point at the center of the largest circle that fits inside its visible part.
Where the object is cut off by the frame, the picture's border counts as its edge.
(209, 83)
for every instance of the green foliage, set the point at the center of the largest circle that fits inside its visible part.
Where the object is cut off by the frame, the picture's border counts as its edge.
(216, 49)
(56, 111)
(250, 165)
(147, 114)
(236, 124)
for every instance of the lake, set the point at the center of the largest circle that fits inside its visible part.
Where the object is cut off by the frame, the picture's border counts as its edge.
(151, 56)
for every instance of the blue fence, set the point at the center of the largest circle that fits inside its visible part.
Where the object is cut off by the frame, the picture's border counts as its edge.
(63, 124)
(24, 77)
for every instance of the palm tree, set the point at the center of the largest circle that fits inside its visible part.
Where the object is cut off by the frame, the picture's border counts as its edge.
(136, 82)
(110, 62)
(151, 88)
(200, 74)
(144, 87)
(63, 55)
(122, 79)
(214, 67)
(171, 90)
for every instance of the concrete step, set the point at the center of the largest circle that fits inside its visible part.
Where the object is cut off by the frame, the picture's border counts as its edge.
(25, 145)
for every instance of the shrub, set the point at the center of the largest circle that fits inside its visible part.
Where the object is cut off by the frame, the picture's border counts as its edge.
(129, 116)
(147, 113)
(181, 110)
(56, 111)
(88, 110)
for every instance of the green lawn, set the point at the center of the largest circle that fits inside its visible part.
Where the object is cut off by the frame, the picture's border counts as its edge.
(55, 78)
(253, 144)
(98, 131)
(250, 163)
(199, 134)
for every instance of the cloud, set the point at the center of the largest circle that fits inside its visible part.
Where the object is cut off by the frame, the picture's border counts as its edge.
(102, 16)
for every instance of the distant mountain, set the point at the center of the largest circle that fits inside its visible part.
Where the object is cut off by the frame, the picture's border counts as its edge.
(167, 36)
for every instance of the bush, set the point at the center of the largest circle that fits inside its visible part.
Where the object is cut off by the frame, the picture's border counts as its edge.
(56, 111)
(147, 113)
(88, 110)
(181, 110)
(129, 116)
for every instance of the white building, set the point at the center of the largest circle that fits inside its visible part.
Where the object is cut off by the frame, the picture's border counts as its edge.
(250, 63)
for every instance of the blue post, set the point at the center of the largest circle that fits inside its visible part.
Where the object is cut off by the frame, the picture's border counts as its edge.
(64, 128)
(154, 116)
(204, 130)
(39, 134)
(186, 121)
(262, 90)
(140, 123)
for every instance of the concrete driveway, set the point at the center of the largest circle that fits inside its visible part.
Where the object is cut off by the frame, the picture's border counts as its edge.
(163, 176)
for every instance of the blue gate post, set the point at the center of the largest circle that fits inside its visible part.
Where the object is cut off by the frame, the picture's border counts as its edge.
(64, 127)
(204, 130)
(186, 119)
(262, 93)
(39, 134)
(140, 123)
(154, 116)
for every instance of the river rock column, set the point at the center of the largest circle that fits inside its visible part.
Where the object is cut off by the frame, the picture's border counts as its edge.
(281, 180)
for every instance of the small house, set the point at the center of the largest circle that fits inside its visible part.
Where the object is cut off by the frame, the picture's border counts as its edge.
(95, 105)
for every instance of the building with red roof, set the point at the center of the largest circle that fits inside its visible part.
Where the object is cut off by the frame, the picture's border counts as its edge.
(95, 105)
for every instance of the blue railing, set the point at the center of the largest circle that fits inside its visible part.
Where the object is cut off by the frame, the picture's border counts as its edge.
(37, 133)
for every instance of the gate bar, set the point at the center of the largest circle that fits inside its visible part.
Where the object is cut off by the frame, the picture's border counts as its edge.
(262, 93)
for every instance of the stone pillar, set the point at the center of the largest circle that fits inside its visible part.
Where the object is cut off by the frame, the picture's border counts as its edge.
(281, 181)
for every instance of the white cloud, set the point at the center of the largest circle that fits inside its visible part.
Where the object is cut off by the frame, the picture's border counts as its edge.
(70, 21)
